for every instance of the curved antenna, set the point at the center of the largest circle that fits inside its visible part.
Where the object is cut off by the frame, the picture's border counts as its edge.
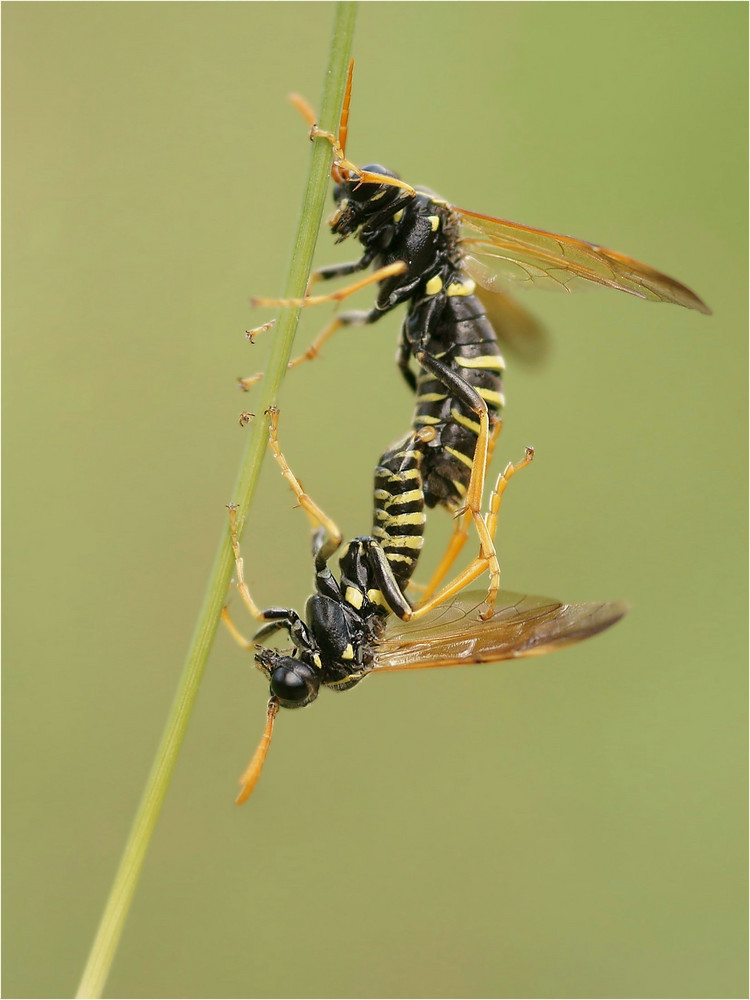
(342, 169)
(250, 778)
(339, 141)
(344, 121)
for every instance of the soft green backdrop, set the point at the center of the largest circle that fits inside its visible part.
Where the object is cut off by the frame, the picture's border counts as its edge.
(573, 826)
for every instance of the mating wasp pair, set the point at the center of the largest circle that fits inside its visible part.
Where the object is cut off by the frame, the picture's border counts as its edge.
(447, 266)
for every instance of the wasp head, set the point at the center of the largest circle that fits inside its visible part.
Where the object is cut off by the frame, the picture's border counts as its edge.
(293, 681)
(357, 201)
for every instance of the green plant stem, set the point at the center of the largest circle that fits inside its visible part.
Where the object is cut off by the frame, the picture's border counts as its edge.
(123, 888)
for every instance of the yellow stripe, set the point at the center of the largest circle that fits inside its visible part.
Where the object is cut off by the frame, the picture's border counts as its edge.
(460, 488)
(427, 420)
(434, 221)
(431, 397)
(462, 458)
(348, 653)
(416, 517)
(483, 361)
(472, 425)
(396, 477)
(434, 285)
(405, 542)
(410, 453)
(407, 497)
(492, 397)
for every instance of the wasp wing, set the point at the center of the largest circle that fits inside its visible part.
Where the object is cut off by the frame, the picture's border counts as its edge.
(454, 634)
(497, 250)
(516, 329)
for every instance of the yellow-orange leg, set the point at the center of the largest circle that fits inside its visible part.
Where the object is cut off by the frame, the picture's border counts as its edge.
(312, 352)
(398, 267)
(481, 562)
(501, 485)
(249, 779)
(389, 271)
(239, 564)
(239, 638)
(460, 531)
(307, 503)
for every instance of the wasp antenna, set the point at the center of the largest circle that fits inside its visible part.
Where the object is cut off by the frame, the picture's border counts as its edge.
(344, 122)
(304, 107)
(250, 778)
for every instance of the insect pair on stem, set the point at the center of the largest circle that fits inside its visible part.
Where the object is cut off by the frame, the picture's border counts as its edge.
(445, 264)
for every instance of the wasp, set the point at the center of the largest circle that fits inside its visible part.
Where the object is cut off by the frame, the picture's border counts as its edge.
(449, 267)
(346, 634)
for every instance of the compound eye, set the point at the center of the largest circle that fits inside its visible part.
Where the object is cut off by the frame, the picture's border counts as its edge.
(294, 683)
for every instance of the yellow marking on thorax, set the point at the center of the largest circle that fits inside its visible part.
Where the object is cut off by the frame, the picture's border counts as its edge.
(434, 221)
(376, 596)
(398, 216)
(354, 597)
(317, 660)
(465, 287)
(434, 285)
(348, 653)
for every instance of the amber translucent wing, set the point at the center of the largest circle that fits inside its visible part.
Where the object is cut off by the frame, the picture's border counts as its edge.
(454, 634)
(517, 330)
(534, 258)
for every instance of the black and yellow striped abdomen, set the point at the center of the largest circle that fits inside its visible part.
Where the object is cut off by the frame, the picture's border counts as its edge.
(398, 516)
(462, 338)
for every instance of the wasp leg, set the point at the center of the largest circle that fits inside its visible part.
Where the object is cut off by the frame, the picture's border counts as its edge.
(238, 637)
(242, 587)
(389, 271)
(325, 549)
(460, 532)
(481, 562)
(358, 318)
(331, 529)
(466, 394)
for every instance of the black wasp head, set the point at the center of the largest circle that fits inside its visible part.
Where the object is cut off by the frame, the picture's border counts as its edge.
(294, 682)
(358, 202)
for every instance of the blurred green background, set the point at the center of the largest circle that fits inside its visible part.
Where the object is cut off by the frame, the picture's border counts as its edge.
(570, 826)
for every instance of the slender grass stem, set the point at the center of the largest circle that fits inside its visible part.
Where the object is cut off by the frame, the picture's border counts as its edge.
(123, 888)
